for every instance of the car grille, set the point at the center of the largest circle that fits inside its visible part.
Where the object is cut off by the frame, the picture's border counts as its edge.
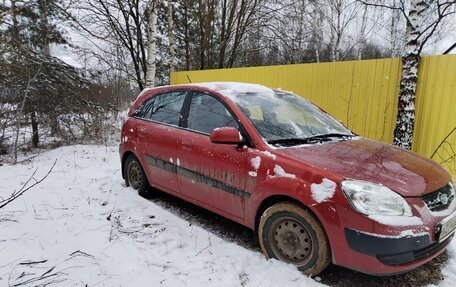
(440, 199)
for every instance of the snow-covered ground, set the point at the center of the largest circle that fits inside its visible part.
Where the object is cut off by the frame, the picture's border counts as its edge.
(83, 227)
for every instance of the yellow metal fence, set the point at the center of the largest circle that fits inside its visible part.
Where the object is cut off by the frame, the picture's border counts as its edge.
(363, 95)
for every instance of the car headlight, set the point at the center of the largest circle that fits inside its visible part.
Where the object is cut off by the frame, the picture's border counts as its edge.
(374, 199)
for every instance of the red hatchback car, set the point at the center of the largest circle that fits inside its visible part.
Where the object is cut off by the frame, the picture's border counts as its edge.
(312, 191)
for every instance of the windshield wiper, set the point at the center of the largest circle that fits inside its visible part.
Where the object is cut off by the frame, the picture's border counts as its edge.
(289, 141)
(312, 139)
(329, 136)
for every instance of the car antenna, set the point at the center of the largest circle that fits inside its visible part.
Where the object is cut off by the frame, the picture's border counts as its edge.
(190, 81)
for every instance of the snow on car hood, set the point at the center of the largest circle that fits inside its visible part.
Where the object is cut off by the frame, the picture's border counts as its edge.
(402, 171)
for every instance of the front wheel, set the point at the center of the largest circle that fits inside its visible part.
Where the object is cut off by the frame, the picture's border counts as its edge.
(135, 176)
(291, 234)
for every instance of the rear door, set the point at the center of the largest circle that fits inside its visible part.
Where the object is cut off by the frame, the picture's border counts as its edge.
(157, 137)
(212, 174)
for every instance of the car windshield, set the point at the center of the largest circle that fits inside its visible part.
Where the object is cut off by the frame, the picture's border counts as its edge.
(286, 119)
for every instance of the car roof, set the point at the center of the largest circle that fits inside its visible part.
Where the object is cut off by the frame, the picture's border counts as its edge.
(227, 89)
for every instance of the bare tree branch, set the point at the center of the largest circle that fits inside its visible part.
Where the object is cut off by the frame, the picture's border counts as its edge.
(24, 187)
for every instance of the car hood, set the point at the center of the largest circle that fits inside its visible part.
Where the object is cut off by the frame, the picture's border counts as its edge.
(402, 171)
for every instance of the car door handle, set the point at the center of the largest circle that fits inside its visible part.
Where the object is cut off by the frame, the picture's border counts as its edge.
(187, 146)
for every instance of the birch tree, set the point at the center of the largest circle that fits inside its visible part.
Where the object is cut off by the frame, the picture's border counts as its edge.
(362, 34)
(422, 21)
(403, 133)
(341, 14)
(172, 55)
(316, 29)
(394, 32)
(151, 43)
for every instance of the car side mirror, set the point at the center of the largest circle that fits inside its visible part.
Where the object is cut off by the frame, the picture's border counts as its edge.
(226, 135)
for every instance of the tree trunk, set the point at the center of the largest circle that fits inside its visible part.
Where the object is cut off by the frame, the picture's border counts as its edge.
(172, 57)
(403, 132)
(35, 136)
(223, 37)
(336, 33)
(202, 34)
(315, 28)
(16, 38)
(151, 44)
(395, 15)
(186, 37)
(44, 26)
(362, 34)
(337, 47)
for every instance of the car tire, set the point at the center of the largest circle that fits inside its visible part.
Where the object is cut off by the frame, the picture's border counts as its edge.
(136, 177)
(292, 234)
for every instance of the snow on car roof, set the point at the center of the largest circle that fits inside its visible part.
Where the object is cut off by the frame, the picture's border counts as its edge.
(228, 89)
(234, 88)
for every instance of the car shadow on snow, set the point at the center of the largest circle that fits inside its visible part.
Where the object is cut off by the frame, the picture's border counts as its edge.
(430, 273)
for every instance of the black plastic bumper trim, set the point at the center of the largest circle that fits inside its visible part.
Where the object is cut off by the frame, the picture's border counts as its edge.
(391, 250)
(409, 257)
(374, 245)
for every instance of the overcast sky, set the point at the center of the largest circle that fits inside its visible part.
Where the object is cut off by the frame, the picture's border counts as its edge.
(446, 38)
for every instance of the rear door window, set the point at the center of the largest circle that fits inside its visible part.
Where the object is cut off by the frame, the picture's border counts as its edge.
(163, 108)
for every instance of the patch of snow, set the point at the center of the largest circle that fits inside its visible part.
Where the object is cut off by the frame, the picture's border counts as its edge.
(323, 191)
(178, 162)
(256, 162)
(394, 220)
(279, 172)
(268, 154)
(449, 270)
(404, 233)
(231, 89)
(410, 233)
(253, 173)
(296, 128)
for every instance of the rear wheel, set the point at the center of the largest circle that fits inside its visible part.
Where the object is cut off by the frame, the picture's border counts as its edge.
(291, 234)
(135, 176)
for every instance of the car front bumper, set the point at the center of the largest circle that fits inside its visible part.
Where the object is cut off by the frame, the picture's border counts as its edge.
(362, 244)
